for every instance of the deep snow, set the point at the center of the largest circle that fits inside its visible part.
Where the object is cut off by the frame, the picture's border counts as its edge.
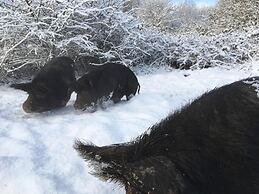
(36, 154)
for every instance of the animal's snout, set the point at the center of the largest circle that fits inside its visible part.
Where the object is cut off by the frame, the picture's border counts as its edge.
(27, 107)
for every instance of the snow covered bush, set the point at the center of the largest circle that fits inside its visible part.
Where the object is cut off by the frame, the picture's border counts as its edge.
(34, 31)
(168, 16)
(156, 13)
(189, 19)
(105, 30)
(232, 15)
(195, 51)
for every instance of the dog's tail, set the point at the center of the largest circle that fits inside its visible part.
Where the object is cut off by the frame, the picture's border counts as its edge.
(114, 153)
(153, 174)
(109, 161)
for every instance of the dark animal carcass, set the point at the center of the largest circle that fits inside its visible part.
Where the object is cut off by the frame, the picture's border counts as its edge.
(109, 79)
(51, 88)
(208, 147)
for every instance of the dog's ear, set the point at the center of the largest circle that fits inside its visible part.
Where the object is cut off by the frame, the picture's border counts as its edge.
(27, 87)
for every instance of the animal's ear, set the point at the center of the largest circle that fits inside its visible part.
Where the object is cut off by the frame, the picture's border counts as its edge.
(23, 86)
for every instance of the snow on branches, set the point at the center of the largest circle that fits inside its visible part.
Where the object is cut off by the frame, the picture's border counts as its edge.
(232, 15)
(34, 31)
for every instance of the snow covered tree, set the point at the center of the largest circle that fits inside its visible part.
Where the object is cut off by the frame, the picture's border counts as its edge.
(105, 30)
(235, 15)
(187, 17)
(34, 31)
(175, 18)
(156, 13)
(130, 5)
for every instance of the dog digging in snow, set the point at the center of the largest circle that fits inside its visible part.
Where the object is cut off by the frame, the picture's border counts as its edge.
(210, 146)
(110, 81)
(52, 86)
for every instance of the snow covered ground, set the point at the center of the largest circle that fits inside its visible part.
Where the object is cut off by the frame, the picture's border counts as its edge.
(36, 154)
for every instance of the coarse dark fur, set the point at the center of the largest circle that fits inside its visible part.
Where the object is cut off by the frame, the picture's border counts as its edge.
(51, 88)
(102, 81)
(210, 146)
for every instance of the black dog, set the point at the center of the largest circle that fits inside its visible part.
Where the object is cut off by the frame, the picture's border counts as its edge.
(51, 87)
(208, 147)
(104, 80)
